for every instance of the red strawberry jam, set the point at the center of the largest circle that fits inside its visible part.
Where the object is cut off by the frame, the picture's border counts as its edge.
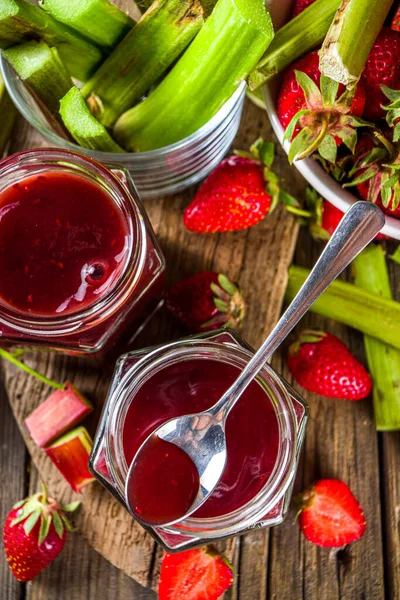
(162, 470)
(193, 386)
(62, 244)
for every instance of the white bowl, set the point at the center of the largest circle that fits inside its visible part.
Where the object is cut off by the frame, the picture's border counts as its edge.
(311, 170)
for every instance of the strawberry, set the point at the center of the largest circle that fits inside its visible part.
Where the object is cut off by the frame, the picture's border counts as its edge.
(34, 534)
(201, 574)
(382, 68)
(330, 516)
(377, 173)
(324, 216)
(322, 364)
(396, 20)
(238, 193)
(318, 119)
(206, 301)
(299, 6)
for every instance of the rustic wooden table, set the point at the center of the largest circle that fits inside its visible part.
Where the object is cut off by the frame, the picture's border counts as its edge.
(341, 440)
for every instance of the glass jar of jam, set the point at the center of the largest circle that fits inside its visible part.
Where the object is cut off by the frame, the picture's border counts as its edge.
(79, 262)
(264, 432)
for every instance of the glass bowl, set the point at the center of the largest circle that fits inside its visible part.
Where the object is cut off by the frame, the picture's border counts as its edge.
(158, 172)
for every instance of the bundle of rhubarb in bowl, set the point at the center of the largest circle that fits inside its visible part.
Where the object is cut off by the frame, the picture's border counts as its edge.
(135, 92)
(333, 97)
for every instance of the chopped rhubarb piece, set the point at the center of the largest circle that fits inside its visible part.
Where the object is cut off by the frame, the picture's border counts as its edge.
(70, 454)
(62, 410)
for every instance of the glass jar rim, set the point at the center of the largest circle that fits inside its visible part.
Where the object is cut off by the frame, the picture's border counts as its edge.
(281, 476)
(28, 162)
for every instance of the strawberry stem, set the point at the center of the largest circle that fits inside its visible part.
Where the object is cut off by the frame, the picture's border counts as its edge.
(296, 38)
(350, 38)
(370, 273)
(346, 303)
(12, 359)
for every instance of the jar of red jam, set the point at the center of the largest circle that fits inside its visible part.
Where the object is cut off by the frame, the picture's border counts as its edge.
(79, 262)
(264, 432)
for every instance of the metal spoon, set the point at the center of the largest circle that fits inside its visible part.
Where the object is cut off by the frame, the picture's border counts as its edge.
(202, 435)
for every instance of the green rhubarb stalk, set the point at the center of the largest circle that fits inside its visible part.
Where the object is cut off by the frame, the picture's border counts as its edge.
(142, 57)
(8, 114)
(350, 38)
(83, 126)
(13, 360)
(208, 5)
(373, 315)
(98, 20)
(370, 273)
(300, 35)
(222, 55)
(21, 21)
(41, 69)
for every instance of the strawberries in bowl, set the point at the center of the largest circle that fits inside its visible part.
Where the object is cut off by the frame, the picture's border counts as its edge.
(314, 133)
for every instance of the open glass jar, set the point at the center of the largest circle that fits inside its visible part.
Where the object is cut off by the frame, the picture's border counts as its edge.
(132, 290)
(155, 384)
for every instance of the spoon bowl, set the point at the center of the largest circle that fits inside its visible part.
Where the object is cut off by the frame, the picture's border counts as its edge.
(198, 440)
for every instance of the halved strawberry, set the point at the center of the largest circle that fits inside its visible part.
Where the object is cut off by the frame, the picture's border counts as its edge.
(200, 574)
(330, 515)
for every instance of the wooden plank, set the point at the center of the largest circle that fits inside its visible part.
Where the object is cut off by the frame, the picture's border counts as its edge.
(341, 442)
(390, 476)
(254, 257)
(13, 463)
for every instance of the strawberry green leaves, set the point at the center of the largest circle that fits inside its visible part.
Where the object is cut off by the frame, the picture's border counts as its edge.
(393, 111)
(326, 121)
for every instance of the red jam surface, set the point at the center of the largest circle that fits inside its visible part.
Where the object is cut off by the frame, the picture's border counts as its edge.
(162, 470)
(252, 430)
(62, 244)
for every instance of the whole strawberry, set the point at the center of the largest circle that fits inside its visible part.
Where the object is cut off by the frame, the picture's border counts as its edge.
(206, 301)
(200, 574)
(382, 68)
(322, 364)
(325, 117)
(34, 534)
(238, 193)
(324, 216)
(330, 516)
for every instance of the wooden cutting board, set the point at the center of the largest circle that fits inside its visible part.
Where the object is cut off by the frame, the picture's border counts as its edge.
(257, 258)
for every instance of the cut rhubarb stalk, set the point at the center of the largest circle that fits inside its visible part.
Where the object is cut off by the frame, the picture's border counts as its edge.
(21, 21)
(299, 36)
(350, 38)
(228, 47)
(142, 57)
(98, 20)
(344, 302)
(61, 411)
(370, 273)
(83, 126)
(40, 67)
(70, 454)
(8, 113)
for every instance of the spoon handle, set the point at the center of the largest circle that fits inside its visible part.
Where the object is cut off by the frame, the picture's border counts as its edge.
(358, 227)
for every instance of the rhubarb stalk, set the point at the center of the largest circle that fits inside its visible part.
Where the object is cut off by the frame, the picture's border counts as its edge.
(61, 411)
(350, 38)
(370, 273)
(83, 126)
(221, 56)
(8, 114)
(41, 69)
(300, 35)
(142, 57)
(373, 315)
(70, 454)
(21, 21)
(98, 20)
